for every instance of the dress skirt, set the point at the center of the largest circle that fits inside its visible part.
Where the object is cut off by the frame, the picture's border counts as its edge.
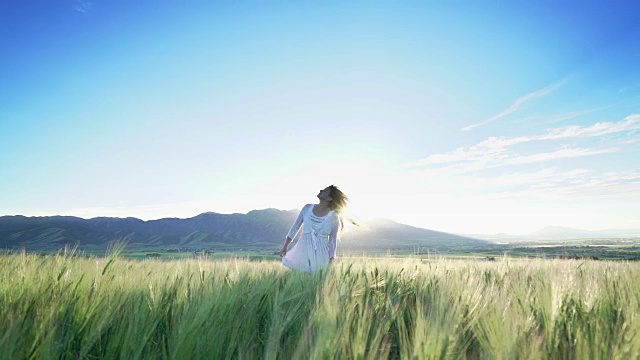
(310, 254)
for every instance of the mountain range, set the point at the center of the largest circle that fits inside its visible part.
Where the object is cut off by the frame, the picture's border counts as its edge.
(561, 233)
(257, 229)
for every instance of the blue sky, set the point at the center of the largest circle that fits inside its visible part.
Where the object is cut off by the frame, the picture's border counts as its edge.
(488, 118)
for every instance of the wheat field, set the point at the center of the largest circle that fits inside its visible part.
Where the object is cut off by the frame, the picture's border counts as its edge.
(70, 307)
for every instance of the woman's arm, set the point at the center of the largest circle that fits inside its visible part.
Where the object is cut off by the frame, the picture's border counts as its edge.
(293, 231)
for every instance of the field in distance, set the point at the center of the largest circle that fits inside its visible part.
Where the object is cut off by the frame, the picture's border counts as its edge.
(112, 307)
(591, 248)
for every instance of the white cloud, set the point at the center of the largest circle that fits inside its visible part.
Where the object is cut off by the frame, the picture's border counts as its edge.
(555, 118)
(517, 104)
(624, 185)
(629, 123)
(491, 149)
(495, 142)
(554, 155)
(494, 150)
(83, 6)
(485, 156)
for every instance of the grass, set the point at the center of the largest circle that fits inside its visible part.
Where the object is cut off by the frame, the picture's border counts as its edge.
(62, 306)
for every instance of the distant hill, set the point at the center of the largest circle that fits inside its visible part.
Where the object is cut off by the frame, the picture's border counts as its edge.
(560, 233)
(258, 229)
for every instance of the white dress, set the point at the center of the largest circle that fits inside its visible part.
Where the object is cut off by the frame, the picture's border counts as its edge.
(317, 243)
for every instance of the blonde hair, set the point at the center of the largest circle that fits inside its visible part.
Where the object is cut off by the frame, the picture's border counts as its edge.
(338, 203)
(338, 199)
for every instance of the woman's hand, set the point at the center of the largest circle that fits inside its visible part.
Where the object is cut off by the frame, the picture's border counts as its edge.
(283, 251)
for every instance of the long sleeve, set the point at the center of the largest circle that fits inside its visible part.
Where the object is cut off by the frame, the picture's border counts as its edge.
(297, 224)
(333, 238)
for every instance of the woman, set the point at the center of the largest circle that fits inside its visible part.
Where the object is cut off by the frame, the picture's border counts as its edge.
(316, 248)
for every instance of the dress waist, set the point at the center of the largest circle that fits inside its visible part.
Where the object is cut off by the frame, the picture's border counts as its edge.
(315, 237)
(317, 233)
